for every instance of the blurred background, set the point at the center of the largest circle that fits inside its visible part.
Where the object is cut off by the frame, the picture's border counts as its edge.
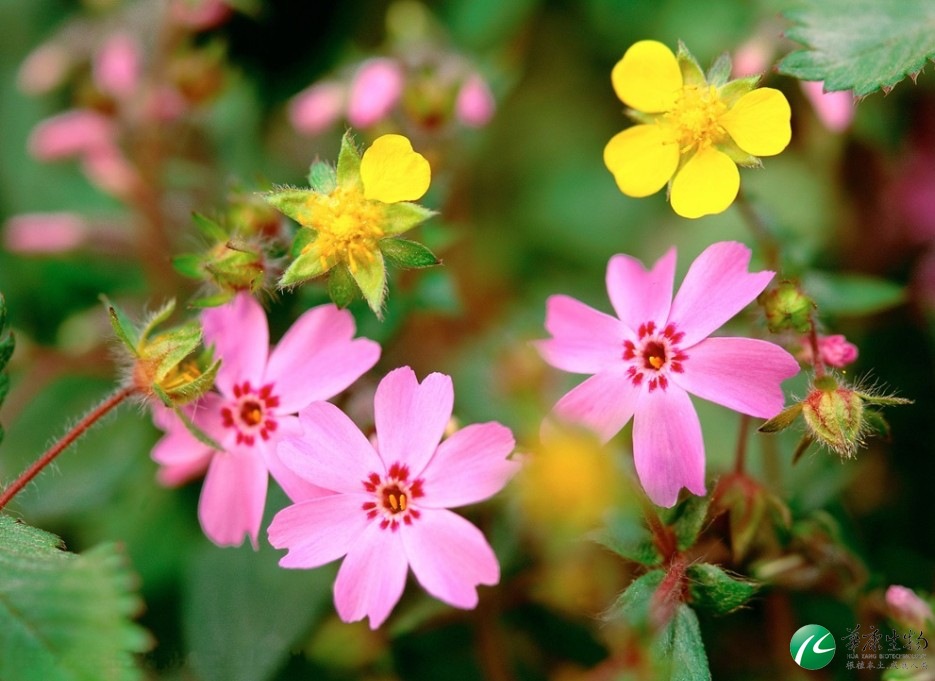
(119, 119)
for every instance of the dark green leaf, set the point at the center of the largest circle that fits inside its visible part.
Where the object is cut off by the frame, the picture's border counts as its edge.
(713, 589)
(681, 645)
(322, 177)
(4, 386)
(852, 294)
(687, 520)
(7, 345)
(63, 616)
(407, 254)
(860, 45)
(633, 604)
(630, 539)
(342, 289)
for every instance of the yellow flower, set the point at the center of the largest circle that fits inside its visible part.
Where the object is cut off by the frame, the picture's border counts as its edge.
(693, 131)
(353, 214)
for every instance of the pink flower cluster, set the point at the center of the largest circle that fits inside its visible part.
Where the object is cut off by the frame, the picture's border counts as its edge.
(382, 504)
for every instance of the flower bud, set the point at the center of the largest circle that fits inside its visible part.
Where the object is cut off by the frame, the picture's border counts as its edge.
(906, 608)
(116, 66)
(45, 232)
(475, 103)
(317, 108)
(72, 133)
(834, 416)
(835, 110)
(787, 307)
(835, 350)
(377, 86)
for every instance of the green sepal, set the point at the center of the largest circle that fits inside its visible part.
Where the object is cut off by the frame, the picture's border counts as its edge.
(123, 327)
(633, 605)
(322, 177)
(7, 345)
(4, 386)
(714, 590)
(190, 426)
(292, 202)
(171, 347)
(306, 266)
(188, 265)
(403, 216)
(215, 300)
(872, 418)
(782, 420)
(642, 117)
(303, 237)
(883, 400)
(348, 171)
(735, 89)
(738, 155)
(801, 448)
(692, 73)
(194, 389)
(156, 318)
(208, 227)
(720, 70)
(687, 520)
(408, 254)
(371, 279)
(342, 289)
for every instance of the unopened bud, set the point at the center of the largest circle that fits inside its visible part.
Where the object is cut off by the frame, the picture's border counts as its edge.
(834, 416)
(787, 307)
(906, 608)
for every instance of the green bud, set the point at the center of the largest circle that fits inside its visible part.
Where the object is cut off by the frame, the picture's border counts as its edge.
(834, 416)
(787, 307)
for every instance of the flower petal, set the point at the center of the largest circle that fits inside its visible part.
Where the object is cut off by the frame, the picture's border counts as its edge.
(233, 497)
(317, 358)
(179, 454)
(706, 185)
(240, 336)
(642, 159)
(639, 296)
(585, 340)
(469, 466)
(604, 403)
(332, 452)
(648, 78)
(411, 417)
(743, 374)
(759, 122)
(295, 486)
(716, 287)
(372, 576)
(318, 531)
(449, 557)
(668, 449)
(391, 171)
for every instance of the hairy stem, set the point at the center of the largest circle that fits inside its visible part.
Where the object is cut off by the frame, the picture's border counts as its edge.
(79, 429)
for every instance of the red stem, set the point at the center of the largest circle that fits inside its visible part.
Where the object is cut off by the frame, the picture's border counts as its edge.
(817, 362)
(80, 429)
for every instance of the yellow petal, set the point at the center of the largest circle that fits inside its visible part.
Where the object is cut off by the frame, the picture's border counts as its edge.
(707, 184)
(642, 159)
(759, 122)
(391, 171)
(648, 77)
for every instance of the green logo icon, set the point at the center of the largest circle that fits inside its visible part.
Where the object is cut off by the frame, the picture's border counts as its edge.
(812, 647)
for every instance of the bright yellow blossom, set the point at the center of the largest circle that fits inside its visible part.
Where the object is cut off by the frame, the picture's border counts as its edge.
(693, 131)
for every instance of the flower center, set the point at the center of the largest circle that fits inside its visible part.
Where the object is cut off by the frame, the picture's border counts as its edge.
(654, 355)
(696, 117)
(391, 497)
(249, 412)
(348, 227)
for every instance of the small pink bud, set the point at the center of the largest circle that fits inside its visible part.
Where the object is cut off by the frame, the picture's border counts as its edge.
(44, 232)
(835, 110)
(110, 171)
(907, 608)
(116, 65)
(377, 86)
(752, 58)
(836, 350)
(199, 15)
(317, 108)
(475, 104)
(44, 69)
(71, 133)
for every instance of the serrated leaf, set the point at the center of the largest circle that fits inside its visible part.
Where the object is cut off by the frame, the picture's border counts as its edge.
(348, 171)
(123, 328)
(322, 177)
(403, 216)
(209, 228)
(408, 254)
(680, 644)
(860, 45)
(852, 294)
(342, 289)
(713, 589)
(634, 603)
(64, 616)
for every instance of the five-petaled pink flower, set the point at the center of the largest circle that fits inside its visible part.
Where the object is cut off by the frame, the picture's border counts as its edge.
(389, 506)
(260, 391)
(646, 360)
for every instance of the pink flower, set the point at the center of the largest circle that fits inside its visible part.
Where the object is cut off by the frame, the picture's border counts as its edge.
(835, 110)
(656, 351)
(317, 108)
(260, 391)
(377, 86)
(835, 350)
(907, 608)
(475, 104)
(72, 133)
(389, 507)
(116, 65)
(45, 232)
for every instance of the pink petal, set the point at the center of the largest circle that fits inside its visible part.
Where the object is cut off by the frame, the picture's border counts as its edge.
(233, 498)
(469, 466)
(318, 531)
(317, 358)
(178, 460)
(411, 417)
(372, 576)
(295, 486)
(743, 374)
(641, 296)
(604, 403)
(475, 104)
(585, 340)
(668, 449)
(449, 557)
(317, 108)
(240, 337)
(45, 232)
(377, 86)
(71, 133)
(116, 66)
(716, 288)
(332, 452)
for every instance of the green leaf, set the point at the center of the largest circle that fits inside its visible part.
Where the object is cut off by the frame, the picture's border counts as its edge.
(64, 616)
(680, 644)
(630, 539)
(687, 520)
(211, 229)
(322, 177)
(7, 345)
(4, 386)
(348, 172)
(852, 294)
(403, 216)
(342, 289)
(633, 604)
(123, 327)
(860, 45)
(407, 254)
(713, 589)
(306, 266)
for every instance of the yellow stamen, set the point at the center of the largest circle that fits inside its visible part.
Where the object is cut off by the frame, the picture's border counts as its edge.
(394, 502)
(696, 118)
(348, 227)
(402, 502)
(657, 362)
